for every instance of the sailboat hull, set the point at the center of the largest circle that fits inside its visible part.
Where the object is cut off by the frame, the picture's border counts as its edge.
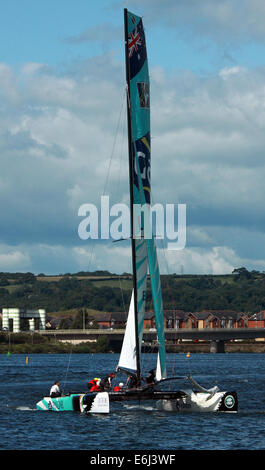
(177, 401)
(182, 400)
(84, 403)
(201, 402)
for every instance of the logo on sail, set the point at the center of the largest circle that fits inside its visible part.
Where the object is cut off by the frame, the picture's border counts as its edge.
(142, 147)
(229, 401)
(143, 93)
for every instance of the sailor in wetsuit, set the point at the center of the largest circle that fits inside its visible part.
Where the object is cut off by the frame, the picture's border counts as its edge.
(105, 383)
(132, 381)
(150, 378)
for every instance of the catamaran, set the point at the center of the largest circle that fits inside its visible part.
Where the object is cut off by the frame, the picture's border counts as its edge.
(163, 392)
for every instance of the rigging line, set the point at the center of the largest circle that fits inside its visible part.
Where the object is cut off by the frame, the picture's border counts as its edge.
(122, 151)
(152, 199)
(117, 187)
(114, 143)
(108, 171)
(67, 370)
(124, 308)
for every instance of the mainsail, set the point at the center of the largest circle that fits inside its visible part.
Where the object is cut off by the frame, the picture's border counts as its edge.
(143, 250)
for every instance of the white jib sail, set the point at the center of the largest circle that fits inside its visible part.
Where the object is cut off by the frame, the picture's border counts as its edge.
(128, 351)
(158, 369)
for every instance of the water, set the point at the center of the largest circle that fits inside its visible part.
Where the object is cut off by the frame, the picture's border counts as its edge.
(22, 427)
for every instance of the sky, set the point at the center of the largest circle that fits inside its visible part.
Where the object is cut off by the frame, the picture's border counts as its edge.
(63, 130)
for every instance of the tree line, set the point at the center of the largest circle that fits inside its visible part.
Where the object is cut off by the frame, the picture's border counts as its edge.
(242, 290)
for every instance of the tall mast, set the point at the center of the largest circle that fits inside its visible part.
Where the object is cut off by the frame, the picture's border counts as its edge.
(130, 152)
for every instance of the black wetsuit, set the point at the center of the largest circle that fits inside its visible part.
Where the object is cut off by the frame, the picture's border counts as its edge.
(132, 382)
(150, 378)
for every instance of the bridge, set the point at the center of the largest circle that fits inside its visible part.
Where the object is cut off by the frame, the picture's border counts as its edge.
(216, 336)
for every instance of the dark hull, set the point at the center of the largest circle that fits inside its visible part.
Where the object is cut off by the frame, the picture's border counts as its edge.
(131, 395)
(178, 400)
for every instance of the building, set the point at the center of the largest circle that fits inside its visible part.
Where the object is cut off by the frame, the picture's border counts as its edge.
(220, 319)
(14, 315)
(113, 320)
(173, 319)
(257, 320)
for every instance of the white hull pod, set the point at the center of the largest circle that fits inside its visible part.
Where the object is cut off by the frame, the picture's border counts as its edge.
(98, 404)
(84, 403)
(198, 402)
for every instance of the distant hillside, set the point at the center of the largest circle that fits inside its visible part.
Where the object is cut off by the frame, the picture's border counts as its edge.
(242, 291)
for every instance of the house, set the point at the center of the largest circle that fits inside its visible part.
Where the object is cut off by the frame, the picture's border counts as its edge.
(118, 320)
(221, 319)
(173, 319)
(103, 320)
(257, 320)
(198, 320)
(149, 320)
(180, 319)
(113, 320)
(53, 323)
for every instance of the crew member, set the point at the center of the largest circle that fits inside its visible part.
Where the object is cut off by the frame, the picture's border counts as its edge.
(150, 378)
(106, 381)
(55, 390)
(132, 381)
(94, 385)
(118, 387)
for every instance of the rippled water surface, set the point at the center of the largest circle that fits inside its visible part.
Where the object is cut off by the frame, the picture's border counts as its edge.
(135, 427)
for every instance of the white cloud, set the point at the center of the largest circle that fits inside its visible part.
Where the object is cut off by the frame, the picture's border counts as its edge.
(103, 33)
(217, 260)
(14, 259)
(57, 152)
(221, 20)
(227, 71)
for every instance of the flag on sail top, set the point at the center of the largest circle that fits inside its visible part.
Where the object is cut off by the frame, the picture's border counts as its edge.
(136, 44)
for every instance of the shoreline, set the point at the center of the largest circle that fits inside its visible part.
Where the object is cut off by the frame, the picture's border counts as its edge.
(85, 348)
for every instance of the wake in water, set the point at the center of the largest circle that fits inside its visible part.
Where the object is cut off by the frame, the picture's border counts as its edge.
(140, 407)
(24, 408)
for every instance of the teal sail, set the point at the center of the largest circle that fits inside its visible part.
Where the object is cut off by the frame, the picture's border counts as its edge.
(139, 149)
(156, 287)
(143, 251)
(140, 146)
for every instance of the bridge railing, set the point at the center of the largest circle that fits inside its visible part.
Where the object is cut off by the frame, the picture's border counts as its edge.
(188, 333)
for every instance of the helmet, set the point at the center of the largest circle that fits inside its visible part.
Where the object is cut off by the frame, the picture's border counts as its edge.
(121, 384)
(96, 378)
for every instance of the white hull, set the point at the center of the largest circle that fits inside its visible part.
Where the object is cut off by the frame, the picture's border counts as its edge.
(200, 402)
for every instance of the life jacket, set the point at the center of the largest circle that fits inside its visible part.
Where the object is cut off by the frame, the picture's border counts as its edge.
(93, 386)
